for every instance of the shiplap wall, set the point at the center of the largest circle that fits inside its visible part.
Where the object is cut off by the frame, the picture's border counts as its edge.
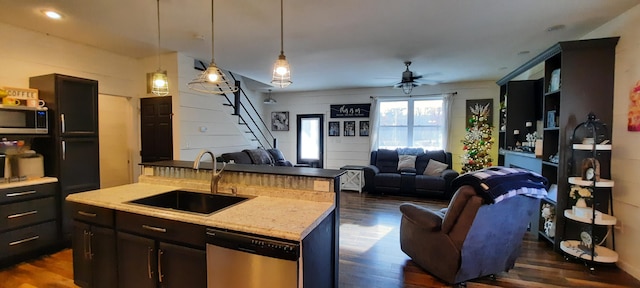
(340, 151)
(625, 164)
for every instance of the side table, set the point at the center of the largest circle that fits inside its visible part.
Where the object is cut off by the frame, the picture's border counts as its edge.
(353, 178)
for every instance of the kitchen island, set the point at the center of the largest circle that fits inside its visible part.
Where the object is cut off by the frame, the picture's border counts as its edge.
(277, 208)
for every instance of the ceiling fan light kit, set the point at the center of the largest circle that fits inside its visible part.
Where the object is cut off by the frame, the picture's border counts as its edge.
(159, 81)
(212, 80)
(408, 80)
(269, 100)
(281, 76)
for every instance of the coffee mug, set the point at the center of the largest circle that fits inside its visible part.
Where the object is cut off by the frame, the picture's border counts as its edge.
(35, 103)
(10, 101)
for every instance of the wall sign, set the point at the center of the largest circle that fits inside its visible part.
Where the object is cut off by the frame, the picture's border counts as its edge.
(350, 110)
(21, 93)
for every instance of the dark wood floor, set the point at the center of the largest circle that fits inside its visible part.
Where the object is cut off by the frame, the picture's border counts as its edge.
(370, 257)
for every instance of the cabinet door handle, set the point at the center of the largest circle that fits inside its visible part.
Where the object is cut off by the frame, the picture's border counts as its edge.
(24, 240)
(87, 214)
(21, 193)
(156, 229)
(84, 244)
(160, 252)
(64, 150)
(62, 124)
(149, 262)
(90, 235)
(22, 214)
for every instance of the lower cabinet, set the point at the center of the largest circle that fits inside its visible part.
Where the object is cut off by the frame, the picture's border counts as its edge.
(155, 252)
(94, 257)
(94, 247)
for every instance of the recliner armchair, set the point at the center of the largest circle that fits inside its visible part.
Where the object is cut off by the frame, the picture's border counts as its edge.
(469, 239)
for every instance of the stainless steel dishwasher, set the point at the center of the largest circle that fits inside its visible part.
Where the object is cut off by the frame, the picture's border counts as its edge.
(241, 260)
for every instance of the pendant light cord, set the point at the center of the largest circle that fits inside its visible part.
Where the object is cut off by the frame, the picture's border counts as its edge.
(158, 48)
(281, 28)
(212, 29)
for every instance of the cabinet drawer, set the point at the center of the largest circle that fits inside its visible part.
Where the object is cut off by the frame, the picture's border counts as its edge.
(92, 214)
(28, 239)
(162, 229)
(27, 192)
(23, 213)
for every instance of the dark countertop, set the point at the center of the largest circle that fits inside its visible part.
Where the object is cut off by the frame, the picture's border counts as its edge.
(262, 169)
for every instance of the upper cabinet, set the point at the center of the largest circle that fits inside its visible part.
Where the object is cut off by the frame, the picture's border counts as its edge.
(73, 103)
(577, 79)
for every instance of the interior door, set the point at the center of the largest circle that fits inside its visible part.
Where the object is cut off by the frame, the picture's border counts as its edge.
(114, 123)
(310, 144)
(156, 129)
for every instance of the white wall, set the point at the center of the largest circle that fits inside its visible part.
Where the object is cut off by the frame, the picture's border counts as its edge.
(625, 164)
(340, 151)
(25, 53)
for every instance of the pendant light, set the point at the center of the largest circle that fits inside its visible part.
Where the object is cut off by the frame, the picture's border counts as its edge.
(212, 80)
(281, 72)
(159, 81)
(269, 100)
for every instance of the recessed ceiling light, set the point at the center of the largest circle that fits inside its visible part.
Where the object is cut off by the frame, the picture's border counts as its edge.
(52, 14)
(555, 28)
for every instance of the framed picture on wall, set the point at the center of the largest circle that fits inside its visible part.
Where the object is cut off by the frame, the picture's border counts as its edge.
(280, 121)
(364, 128)
(334, 128)
(349, 128)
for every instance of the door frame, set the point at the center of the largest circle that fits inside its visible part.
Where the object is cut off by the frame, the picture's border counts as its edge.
(320, 162)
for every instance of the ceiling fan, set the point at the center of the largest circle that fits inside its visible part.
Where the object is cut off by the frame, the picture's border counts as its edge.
(408, 80)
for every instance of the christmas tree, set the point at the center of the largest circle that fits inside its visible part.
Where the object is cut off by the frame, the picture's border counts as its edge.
(477, 142)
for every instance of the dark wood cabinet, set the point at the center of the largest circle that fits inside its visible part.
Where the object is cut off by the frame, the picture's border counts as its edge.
(94, 247)
(154, 252)
(72, 153)
(578, 79)
(28, 222)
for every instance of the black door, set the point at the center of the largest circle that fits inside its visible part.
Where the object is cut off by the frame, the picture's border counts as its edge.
(136, 261)
(81, 262)
(77, 105)
(310, 142)
(182, 266)
(156, 129)
(103, 249)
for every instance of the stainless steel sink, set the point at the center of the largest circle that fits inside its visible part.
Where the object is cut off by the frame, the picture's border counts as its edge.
(190, 201)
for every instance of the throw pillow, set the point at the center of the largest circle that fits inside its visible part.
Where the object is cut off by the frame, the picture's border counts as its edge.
(406, 161)
(435, 168)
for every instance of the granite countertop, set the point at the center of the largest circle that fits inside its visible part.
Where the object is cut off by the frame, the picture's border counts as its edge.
(263, 169)
(285, 218)
(35, 181)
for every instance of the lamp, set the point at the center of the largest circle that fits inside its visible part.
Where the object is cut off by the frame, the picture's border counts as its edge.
(269, 100)
(407, 87)
(281, 72)
(212, 80)
(159, 81)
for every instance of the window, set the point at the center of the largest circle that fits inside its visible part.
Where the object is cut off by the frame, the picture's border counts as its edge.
(414, 122)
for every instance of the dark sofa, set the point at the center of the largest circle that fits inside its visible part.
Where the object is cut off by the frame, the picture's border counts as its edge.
(383, 176)
(273, 157)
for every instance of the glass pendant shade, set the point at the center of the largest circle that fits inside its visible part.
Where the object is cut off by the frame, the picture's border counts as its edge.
(160, 83)
(212, 81)
(281, 72)
(407, 87)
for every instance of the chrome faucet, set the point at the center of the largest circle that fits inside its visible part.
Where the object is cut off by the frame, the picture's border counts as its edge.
(215, 175)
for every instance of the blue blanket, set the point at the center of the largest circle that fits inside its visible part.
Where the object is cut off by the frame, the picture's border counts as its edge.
(497, 183)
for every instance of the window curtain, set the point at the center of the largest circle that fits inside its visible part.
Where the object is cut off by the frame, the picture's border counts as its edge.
(447, 104)
(375, 123)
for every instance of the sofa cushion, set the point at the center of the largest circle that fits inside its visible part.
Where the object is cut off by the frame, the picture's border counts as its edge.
(278, 157)
(423, 159)
(406, 161)
(237, 157)
(387, 180)
(432, 183)
(435, 168)
(259, 156)
(387, 161)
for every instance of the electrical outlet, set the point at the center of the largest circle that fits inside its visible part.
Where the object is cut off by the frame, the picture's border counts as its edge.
(619, 226)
